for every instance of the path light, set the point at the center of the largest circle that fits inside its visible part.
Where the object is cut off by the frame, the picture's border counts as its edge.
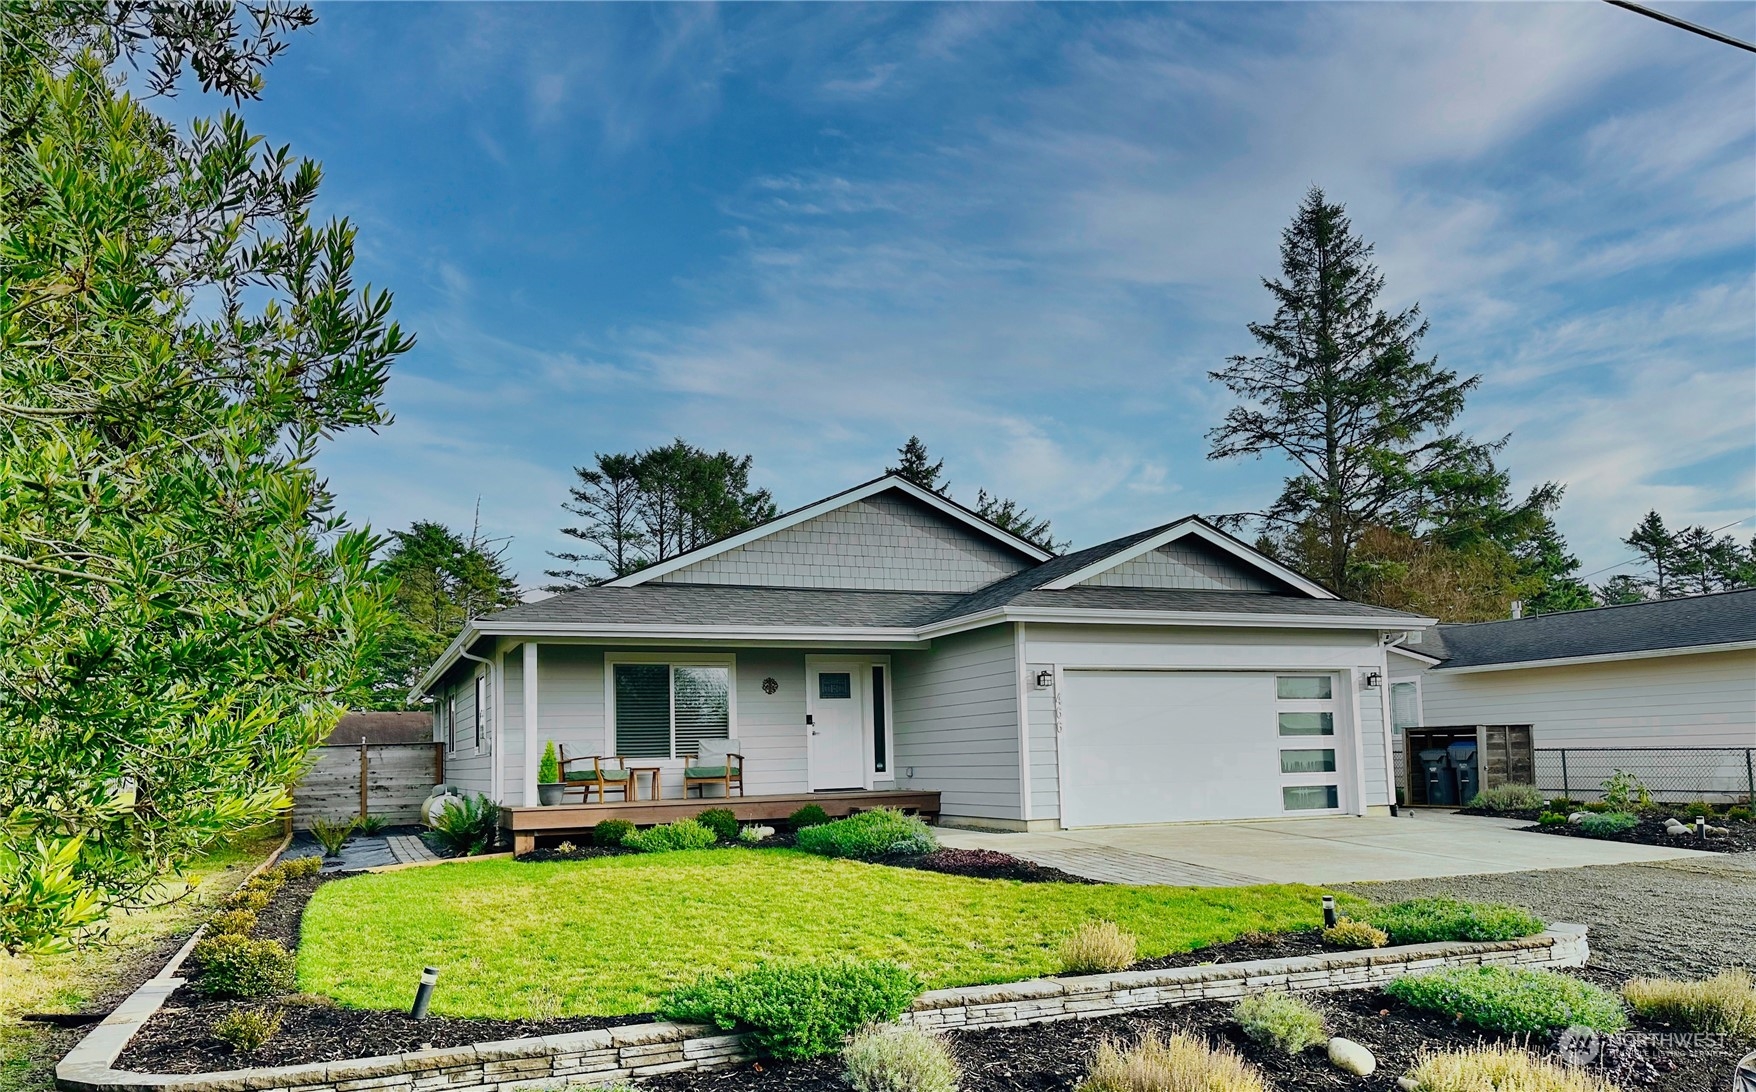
(1329, 911)
(1701, 826)
(429, 977)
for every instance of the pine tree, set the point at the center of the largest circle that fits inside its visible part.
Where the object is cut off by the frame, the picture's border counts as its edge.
(914, 464)
(1341, 390)
(442, 579)
(1008, 515)
(1658, 548)
(607, 499)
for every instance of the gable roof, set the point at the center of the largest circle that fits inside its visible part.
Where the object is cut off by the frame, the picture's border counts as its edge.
(944, 505)
(1121, 551)
(1690, 624)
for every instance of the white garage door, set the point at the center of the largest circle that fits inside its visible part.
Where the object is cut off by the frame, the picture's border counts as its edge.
(1169, 746)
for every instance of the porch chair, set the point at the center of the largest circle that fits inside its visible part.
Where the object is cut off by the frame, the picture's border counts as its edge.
(717, 762)
(591, 774)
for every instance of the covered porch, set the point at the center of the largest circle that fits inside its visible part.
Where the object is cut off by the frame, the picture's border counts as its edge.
(572, 820)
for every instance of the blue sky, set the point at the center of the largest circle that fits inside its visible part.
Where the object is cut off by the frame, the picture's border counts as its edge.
(1025, 233)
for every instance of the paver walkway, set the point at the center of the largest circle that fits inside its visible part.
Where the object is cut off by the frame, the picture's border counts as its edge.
(398, 845)
(1316, 851)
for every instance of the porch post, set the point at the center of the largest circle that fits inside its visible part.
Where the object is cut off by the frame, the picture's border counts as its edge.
(531, 756)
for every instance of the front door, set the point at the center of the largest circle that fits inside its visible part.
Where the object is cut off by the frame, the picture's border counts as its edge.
(837, 714)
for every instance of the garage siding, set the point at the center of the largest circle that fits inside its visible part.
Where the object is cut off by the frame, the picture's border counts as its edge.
(957, 722)
(1045, 784)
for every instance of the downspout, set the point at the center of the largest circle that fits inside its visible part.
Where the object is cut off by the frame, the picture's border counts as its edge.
(1022, 688)
(1384, 715)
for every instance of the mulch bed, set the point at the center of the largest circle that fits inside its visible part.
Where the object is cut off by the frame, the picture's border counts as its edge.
(1246, 948)
(1054, 1057)
(1741, 836)
(986, 864)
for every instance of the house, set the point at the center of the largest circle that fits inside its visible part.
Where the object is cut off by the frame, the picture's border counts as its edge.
(1614, 685)
(886, 638)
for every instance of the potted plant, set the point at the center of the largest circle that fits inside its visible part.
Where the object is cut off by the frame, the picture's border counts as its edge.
(549, 786)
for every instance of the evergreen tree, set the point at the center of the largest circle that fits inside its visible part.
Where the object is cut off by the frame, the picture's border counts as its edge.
(1341, 390)
(917, 466)
(1620, 590)
(1657, 547)
(607, 499)
(1010, 516)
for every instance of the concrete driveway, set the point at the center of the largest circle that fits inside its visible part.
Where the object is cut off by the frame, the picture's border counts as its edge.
(1412, 846)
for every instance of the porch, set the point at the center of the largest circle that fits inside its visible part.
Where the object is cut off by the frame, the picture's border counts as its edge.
(526, 825)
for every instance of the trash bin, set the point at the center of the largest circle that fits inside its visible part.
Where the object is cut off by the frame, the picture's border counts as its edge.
(1436, 774)
(1467, 771)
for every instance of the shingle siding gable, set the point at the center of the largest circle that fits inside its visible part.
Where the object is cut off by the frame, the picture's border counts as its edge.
(885, 542)
(1182, 564)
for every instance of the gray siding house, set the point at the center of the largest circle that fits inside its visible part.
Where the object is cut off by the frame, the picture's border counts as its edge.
(888, 638)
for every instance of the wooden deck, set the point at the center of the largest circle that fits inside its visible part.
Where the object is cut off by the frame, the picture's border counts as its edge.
(529, 824)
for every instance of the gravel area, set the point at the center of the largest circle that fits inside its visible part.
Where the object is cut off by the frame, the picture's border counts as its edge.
(1688, 918)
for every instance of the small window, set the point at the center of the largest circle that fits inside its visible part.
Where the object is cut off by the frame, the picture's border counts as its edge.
(879, 758)
(1309, 761)
(481, 707)
(1310, 798)
(835, 684)
(1307, 724)
(1302, 687)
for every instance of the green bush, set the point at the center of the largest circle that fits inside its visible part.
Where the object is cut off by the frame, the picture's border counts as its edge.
(236, 966)
(1625, 792)
(797, 1010)
(1702, 808)
(297, 868)
(1278, 1019)
(1608, 823)
(1564, 804)
(247, 1030)
(721, 821)
(1097, 947)
(1418, 921)
(468, 825)
(231, 921)
(682, 834)
(810, 815)
(331, 836)
(1355, 934)
(1740, 813)
(881, 832)
(248, 898)
(611, 832)
(1512, 1000)
(1508, 798)
(268, 881)
(1551, 819)
(898, 1058)
(370, 824)
(549, 766)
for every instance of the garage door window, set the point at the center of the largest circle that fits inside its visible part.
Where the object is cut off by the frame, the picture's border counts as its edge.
(1305, 715)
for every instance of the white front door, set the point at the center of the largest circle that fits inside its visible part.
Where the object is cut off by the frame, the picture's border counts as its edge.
(837, 714)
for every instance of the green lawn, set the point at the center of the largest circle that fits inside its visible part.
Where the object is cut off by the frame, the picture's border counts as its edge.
(610, 936)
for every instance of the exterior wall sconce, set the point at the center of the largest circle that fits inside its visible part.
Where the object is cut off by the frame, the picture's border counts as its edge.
(1045, 679)
(1373, 678)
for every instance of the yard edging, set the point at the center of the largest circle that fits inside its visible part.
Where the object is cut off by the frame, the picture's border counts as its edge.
(616, 1054)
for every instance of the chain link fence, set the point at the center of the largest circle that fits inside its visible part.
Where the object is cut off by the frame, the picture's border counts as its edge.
(1674, 774)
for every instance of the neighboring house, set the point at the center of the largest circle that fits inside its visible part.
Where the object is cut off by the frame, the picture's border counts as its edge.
(1670, 673)
(887, 637)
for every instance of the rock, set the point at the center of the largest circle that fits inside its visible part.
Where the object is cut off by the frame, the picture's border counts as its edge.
(1408, 1084)
(1576, 818)
(1350, 1057)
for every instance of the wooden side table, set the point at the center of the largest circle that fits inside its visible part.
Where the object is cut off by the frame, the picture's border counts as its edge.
(658, 789)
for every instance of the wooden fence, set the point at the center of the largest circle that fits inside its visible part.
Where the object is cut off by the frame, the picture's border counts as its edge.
(385, 779)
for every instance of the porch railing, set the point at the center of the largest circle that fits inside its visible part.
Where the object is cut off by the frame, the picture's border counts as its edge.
(1675, 774)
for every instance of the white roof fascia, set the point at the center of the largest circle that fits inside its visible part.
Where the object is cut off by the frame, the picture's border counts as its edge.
(443, 664)
(1181, 529)
(1079, 615)
(830, 504)
(1601, 658)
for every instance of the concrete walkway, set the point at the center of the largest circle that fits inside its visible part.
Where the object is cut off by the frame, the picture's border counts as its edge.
(1416, 845)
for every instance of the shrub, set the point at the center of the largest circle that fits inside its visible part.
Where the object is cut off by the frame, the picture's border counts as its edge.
(797, 1010)
(1099, 946)
(1625, 792)
(549, 766)
(247, 898)
(1740, 812)
(810, 815)
(1418, 921)
(721, 821)
(298, 867)
(1552, 819)
(898, 1058)
(751, 836)
(1498, 1067)
(236, 966)
(1278, 1019)
(682, 834)
(267, 880)
(1508, 798)
(1702, 808)
(1512, 1000)
(239, 922)
(369, 824)
(881, 832)
(468, 825)
(247, 1030)
(1356, 934)
(1563, 804)
(611, 832)
(331, 836)
(1608, 823)
(1724, 1004)
(1174, 1064)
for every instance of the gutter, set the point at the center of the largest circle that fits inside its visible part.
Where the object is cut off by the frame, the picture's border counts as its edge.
(1602, 658)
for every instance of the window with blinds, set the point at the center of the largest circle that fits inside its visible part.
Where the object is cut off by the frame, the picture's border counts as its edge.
(666, 710)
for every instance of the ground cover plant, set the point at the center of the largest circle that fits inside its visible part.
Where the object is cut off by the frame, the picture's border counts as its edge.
(1355, 934)
(797, 1009)
(898, 1058)
(1508, 798)
(1274, 1017)
(612, 935)
(870, 835)
(1500, 1067)
(671, 837)
(1724, 1004)
(1512, 1000)
(1420, 921)
(1607, 823)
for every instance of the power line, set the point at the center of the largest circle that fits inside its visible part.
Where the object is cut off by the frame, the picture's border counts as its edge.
(1636, 558)
(1684, 24)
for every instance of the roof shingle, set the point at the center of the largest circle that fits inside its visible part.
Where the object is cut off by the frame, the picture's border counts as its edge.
(1720, 618)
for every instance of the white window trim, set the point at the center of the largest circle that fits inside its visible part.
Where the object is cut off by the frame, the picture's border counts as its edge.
(1336, 741)
(727, 660)
(1420, 706)
(868, 753)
